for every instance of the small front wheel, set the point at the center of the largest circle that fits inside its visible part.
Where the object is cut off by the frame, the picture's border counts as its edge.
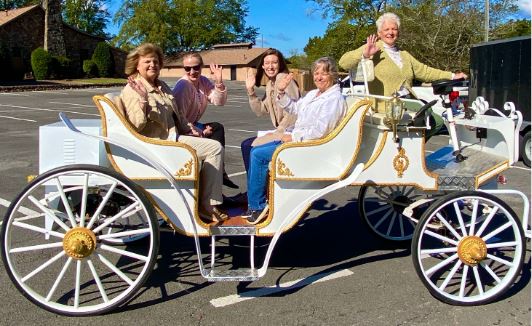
(468, 248)
(67, 240)
(381, 208)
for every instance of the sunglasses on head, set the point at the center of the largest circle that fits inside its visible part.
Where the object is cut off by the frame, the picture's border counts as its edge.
(196, 68)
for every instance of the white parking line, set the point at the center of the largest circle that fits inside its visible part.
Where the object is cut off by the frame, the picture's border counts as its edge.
(74, 104)
(51, 92)
(48, 110)
(13, 118)
(14, 94)
(235, 174)
(241, 130)
(236, 298)
(21, 209)
(520, 168)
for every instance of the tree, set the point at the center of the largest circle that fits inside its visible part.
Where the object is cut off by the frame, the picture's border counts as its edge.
(512, 28)
(103, 59)
(90, 16)
(12, 4)
(183, 25)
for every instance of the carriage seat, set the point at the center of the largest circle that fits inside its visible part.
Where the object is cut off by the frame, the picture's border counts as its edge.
(328, 158)
(179, 159)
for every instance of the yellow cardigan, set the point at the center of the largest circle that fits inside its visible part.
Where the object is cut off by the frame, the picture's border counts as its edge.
(388, 76)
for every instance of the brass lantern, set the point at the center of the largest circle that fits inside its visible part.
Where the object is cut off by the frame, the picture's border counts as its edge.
(394, 113)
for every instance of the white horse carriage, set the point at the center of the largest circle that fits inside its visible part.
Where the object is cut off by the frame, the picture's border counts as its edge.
(83, 236)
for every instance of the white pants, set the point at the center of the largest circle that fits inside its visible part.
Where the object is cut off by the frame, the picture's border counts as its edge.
(211, 153)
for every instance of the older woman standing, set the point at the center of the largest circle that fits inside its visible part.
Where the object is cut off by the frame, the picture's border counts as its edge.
(395, 69)
(152, 110)
(193, 92)
(318, 113)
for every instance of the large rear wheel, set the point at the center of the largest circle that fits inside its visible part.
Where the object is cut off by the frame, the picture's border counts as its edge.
(67, 240)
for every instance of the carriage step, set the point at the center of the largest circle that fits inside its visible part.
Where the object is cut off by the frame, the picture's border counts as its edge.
(231, 229)
(238, 275)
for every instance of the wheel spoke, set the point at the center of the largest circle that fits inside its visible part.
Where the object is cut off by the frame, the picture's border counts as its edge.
(384, 217)
(36, 247)
(105, 199)
(78, 283)
(463, 281)
(441, 237)
(460, 219)
(502, 244)
(84, 200)
(134, 206)
(378, 210)
(401, 226)
(98, 281)
(123, 234)
(391, 223)
(409, 191)
(438, 251)
(58, 279)
(497, 231)
(49, 213)
(473, 217)
(441, 264)
(123, 252)
(450, 275)
(66, 204)
(500, 260)
(43, 266)
(487, 221)
(39, 229)
(115, 269)
(478, 280)
(491, 272)
(448, 226)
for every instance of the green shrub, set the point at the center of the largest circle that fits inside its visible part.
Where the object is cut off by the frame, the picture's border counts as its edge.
(41, 61)
(62, 67)
(90, 69)
(103, 59)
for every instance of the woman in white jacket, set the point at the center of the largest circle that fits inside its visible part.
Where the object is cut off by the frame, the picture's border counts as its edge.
(318, 113)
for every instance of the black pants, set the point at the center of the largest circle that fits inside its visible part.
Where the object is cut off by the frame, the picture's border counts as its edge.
(218, 132)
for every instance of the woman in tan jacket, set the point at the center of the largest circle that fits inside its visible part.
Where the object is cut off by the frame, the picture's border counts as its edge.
(272, 65)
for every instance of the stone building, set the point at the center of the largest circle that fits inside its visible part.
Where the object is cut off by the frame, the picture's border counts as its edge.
(22, 30)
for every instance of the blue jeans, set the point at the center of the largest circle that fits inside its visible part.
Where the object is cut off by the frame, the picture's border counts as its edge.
(258, 174)
(245, 147)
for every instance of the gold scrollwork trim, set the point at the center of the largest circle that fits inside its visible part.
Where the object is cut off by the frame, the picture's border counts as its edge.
(186, 170)
(282, 169)
(401, 162)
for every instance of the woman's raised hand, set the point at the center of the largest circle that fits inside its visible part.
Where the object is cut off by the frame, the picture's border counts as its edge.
(371, 46)
(284, 82)
(217, 72)
(138, 87)
(250, 80)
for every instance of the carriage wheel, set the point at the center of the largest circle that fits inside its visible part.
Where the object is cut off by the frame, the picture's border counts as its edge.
(58, 254)
(468, 248)
(381, 208)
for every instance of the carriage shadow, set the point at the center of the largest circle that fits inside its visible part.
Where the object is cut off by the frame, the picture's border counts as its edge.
(328, 235)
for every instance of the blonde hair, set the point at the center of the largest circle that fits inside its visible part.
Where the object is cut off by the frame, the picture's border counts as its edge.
(144, 49)
(193, 55)
(390, 16)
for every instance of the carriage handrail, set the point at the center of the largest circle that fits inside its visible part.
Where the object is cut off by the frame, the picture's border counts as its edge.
(526, 206)
(302, 205)
(158, 166)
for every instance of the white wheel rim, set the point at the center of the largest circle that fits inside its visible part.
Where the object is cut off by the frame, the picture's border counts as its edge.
(383, 217)
(52, 277)
(440, 255)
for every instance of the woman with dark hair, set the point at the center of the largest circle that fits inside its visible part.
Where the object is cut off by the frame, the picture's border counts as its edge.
(193, 92)
(272, 65)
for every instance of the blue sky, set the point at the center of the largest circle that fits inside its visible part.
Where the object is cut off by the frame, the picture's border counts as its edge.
(288, 24)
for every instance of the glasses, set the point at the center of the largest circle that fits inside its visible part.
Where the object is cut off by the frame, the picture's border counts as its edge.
(196, 68)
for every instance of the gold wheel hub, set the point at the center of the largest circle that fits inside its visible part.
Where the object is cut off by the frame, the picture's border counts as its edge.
(472, 250)
(79, 242)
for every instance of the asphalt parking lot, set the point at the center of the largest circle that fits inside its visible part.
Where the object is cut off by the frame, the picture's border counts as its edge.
(328, 270)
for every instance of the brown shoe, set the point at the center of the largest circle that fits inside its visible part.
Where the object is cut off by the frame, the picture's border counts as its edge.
(214, 216)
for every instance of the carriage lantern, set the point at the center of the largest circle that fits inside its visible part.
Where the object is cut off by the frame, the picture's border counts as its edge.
(394, 113)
